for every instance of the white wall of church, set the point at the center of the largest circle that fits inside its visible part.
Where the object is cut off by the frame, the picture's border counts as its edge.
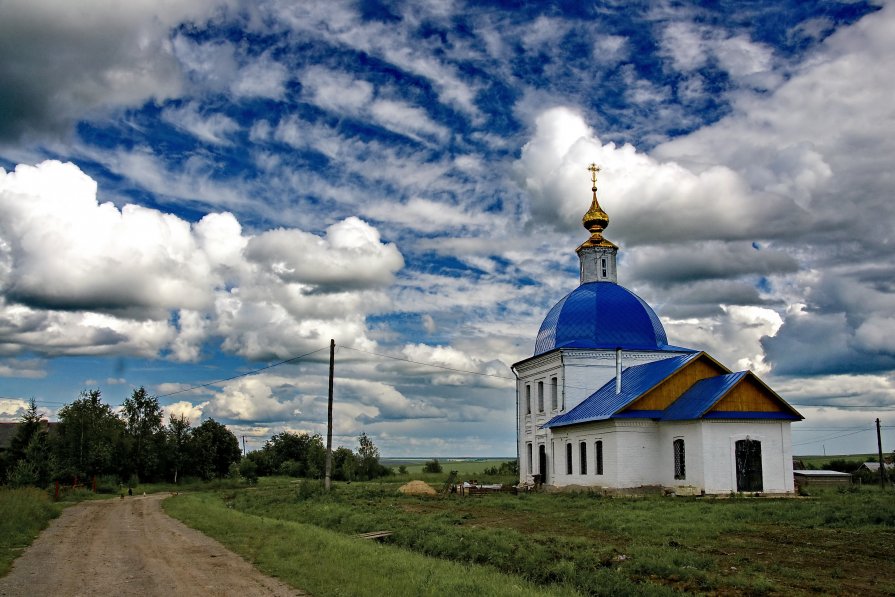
(720, 459)
(640, 452)
(691, 432)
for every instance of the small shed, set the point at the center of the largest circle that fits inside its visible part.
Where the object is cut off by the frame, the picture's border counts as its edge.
(873, 467)
(810, 478)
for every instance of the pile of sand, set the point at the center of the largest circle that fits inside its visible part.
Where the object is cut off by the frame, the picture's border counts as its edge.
(417, 488)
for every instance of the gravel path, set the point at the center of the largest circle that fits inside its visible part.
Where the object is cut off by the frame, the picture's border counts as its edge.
(131, 547)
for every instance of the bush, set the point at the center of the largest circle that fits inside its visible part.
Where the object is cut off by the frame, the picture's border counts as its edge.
(433, 466)
(308, 489)
(248, 470)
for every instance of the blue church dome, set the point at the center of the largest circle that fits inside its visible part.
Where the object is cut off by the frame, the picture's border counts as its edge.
(601, 315)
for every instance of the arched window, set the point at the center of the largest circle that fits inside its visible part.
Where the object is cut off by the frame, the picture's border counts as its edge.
(527, 399)
(582, 457)
(568, 459)
(598, 456)
(540, 396)
(553, 393)
(680, 466)
(530, 459)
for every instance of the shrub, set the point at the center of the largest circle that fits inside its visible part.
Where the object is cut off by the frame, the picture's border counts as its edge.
(248, 470)
(433, 466)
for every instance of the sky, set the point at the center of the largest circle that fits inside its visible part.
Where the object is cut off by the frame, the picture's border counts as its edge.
(193, 192)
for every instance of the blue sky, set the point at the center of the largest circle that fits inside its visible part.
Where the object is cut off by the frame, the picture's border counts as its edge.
(195, 190)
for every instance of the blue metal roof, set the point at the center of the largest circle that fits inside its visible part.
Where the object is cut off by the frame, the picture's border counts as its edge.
(601, 315)
(636, 381)
(701, 396)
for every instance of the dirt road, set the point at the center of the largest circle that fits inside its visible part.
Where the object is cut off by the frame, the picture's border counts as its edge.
(131, 547)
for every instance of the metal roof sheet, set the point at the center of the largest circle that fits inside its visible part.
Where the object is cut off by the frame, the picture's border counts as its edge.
(601, 315)
(636, 381)
(701, 396)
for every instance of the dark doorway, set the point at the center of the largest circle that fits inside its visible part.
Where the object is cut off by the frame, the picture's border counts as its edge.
(542, 462)
(748, 459)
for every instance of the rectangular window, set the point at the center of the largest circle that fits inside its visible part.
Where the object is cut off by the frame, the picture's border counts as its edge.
(540, 396)
(553, 393)
(568, 459)
(680, 467)
(598, 448)
(604, 268)
(527, 399)
(530, 460)
(582, 458)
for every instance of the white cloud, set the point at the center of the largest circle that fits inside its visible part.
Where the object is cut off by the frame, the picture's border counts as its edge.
(690, 46)
(12, 410)
(343, 93)
(213, 128)
(139, 281)
(648, 200)
(261, 77)
(336, 91)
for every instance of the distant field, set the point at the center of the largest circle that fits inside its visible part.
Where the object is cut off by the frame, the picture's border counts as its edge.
(818, 461)
(465, 467)
(832, 543)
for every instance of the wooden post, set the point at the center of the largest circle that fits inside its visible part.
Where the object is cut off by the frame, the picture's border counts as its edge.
(329, 418)
(882, 464)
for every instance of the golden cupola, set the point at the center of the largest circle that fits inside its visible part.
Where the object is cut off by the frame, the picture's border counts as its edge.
(597, 255)
(595, 220)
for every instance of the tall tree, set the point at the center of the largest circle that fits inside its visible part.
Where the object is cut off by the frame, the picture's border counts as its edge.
(178, 437)
(143, 427)
(28, 459)
(90, 438)
(367, 458)
(214, 448)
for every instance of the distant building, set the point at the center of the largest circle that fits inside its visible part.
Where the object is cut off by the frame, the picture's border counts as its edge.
(606, 402)
(815, 478)
(873, 467)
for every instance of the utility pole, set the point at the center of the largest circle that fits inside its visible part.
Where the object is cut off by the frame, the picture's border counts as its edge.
(243, 446)
(329, 418)
(882, 465)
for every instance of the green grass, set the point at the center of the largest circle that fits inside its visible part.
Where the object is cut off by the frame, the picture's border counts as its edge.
(597, 545)
(324, 562)
(24, 513)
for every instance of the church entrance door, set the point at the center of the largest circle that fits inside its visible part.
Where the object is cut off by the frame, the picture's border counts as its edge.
(542, 462)
(748, 461)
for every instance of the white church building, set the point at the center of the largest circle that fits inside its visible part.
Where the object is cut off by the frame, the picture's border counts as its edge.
(605, 402)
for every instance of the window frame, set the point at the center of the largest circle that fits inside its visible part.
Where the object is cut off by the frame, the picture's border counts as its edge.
(679, 450)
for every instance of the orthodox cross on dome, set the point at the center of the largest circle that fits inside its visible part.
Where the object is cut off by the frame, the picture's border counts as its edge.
(593, 169)
(595, 220)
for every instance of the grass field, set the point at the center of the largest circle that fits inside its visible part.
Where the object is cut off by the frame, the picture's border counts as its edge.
(24, 513)
(831, 543)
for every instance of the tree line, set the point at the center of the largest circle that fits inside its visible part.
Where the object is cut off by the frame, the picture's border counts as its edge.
(92, 440)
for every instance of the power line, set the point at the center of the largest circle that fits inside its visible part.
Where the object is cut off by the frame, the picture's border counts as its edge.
(247, 373)
(406, 360)
(822, 439)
